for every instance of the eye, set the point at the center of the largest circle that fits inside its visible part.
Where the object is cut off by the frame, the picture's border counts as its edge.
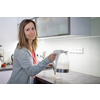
(27, 29)
(32, 28)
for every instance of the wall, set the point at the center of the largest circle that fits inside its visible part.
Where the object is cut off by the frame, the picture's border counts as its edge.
(8, 36)
(88, 62)
(95, 56)
(95, 46)
(19, 19)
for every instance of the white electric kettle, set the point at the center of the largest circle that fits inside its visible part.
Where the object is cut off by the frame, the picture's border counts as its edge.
(61, 63)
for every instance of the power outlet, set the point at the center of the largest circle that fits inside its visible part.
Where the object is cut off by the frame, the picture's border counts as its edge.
(76, 50)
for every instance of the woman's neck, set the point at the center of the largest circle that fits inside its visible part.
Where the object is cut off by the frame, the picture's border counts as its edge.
(30, 44)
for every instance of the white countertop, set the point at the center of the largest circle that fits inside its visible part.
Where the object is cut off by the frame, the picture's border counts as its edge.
(68, 78)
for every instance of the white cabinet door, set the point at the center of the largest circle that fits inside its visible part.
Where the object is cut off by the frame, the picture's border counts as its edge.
(80, 26)
(55, 26)
(52, 26)
(4, 76)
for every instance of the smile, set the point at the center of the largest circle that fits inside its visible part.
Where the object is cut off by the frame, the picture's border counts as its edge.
(31, 36)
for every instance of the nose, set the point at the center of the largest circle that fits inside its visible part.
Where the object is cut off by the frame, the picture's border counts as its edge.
(31, 31)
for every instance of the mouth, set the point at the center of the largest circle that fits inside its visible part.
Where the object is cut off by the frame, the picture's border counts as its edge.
(31, 36)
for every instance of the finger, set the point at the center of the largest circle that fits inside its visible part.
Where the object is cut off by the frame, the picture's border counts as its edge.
(54, 54)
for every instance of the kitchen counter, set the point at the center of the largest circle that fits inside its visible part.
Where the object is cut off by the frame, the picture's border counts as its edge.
(47, 77)
(5, 73)
(7, 67)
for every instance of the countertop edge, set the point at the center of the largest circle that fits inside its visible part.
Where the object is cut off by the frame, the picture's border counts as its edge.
(8, 67)
(5, 69)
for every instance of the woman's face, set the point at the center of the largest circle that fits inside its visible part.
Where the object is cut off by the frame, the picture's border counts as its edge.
(30, 31)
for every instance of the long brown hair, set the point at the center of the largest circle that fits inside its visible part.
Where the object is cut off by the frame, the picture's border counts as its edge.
(23, 41)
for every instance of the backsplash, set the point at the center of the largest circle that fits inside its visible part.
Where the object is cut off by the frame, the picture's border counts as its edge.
(88, 62)
(7, 57)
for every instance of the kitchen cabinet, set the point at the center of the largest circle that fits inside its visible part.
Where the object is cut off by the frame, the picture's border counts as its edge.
(80, 26)
(5, 73)
(41, 81)
(60, 26)
(4, 76)
(52, 26)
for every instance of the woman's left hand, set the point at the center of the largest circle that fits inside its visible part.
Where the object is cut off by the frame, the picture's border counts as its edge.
(50, 65)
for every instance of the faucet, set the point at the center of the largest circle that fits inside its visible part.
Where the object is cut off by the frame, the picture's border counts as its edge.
(44, 55)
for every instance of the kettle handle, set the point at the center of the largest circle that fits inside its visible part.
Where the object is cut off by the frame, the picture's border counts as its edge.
(12, 56)
(56, 60)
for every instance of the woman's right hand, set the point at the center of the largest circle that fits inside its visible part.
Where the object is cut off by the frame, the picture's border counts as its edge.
(52, 57)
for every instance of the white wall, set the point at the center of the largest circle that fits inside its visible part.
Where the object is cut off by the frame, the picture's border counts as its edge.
(88, 62)
(95, 56)
(8, 36)
(19, 19)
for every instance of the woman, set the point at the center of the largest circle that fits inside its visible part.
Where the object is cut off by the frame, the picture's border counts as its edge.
(25, 63)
